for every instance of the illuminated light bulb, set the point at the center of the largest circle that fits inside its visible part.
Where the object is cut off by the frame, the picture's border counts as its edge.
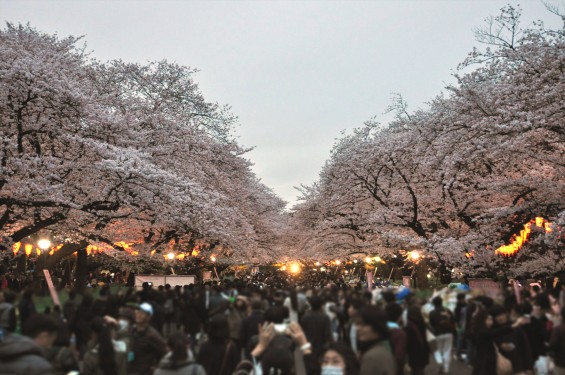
(317, 264)
(378, 259)
(337, 262)
(429, 275)
(355, 261)
(44, 244)
(368, 260)
(294, 268)
(213, 258)
(170, 256)
(415, 255)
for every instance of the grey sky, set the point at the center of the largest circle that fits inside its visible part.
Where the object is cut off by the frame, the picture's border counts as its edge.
(295, 72)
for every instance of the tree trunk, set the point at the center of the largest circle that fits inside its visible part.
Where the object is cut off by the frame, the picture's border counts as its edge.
(81, 269)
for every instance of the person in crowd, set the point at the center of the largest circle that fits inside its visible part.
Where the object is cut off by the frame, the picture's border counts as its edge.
(192, 314)
(398, 338)
(147, 345)
(250, 325)
(355, 303)
(417, 348)
(317, 326)
(22, 355)
(105, 356)
(339, 359)
(443, 327)
(512, 343)
(484, 361)
(8, 318)
(557, 345)
(460, 315)
(236, 313)
(180, 359)
(372, 340)
(26, 307)
(218, 355)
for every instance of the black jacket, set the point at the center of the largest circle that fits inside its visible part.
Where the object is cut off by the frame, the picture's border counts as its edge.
(317, 328)
(20, 355)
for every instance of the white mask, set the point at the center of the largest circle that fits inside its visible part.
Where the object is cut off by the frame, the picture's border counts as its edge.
(123, 324)
(332, 370)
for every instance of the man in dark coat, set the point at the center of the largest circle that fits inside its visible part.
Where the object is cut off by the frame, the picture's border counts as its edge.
(316, 326)
(250, 325)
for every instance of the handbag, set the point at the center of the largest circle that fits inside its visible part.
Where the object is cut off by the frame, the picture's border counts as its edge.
(503, 364)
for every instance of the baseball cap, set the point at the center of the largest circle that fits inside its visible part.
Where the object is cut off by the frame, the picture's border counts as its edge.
(146, 308)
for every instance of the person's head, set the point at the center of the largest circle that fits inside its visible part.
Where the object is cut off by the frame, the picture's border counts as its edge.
(218, 328)
(143, 314)
(437, 302)
(355, 305)
(414, 315)
(481, 320)
(256, 304)
(371, 324)
(7, 296)
(276, 314)
(42, 329)
(339, 359)
(240, 304)
(178, 345)
(461, 297)
(316, 302)
(394, 312)
(277, 360)
(499, 314)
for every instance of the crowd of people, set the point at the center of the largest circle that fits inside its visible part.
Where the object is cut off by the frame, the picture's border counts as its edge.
(271, 327)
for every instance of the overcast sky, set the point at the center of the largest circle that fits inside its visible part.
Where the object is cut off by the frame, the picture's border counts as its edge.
(296, 73)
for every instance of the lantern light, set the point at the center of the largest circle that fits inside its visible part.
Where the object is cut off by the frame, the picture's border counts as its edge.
(415, 255)
(170, 256)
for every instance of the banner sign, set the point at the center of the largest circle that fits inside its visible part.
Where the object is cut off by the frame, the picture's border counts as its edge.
(52, 291)
(206, 276)
(491, 288)
(157, 280)
(370, 280)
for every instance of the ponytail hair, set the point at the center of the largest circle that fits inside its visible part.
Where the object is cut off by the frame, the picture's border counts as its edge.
(106, 359)
(178, 343)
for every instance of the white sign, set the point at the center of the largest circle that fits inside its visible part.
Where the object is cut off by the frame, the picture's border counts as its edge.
(157, 280)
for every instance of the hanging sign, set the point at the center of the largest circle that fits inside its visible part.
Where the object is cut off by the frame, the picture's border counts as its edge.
(52, 291)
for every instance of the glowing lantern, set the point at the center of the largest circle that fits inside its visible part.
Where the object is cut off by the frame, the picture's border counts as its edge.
(377, 259)
(28, 249)
(337, 262)
(16, 247)
(520, 239)
(180, 256)
(170, 256)
(213, 258)
(195, 252)
(368, 260)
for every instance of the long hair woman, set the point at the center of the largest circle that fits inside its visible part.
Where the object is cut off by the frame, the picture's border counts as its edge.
(104, 356)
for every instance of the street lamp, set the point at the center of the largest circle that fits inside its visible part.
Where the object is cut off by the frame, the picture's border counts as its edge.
(44, 244)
